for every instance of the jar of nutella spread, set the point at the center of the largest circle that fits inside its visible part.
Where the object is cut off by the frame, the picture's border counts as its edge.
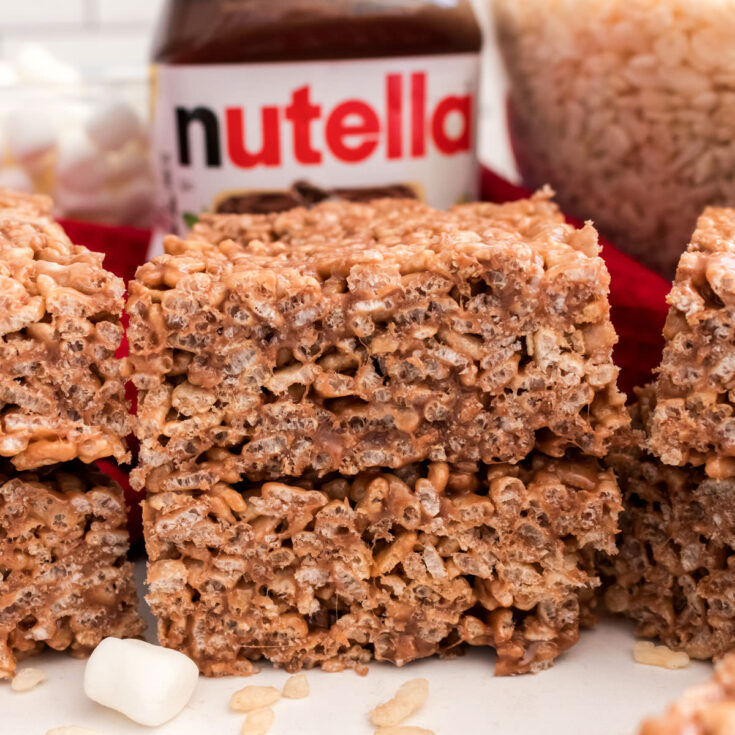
(262, 105)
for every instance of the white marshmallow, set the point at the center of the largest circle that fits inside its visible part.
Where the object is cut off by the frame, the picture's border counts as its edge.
(36, 64)
(28, 134)
(16, 178)
(80, 165)
(147, 683)
(113, 124)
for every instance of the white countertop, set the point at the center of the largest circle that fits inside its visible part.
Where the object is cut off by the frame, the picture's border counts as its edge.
(594, 689)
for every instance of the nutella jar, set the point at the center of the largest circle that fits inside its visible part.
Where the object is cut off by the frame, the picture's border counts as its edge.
(262, 105)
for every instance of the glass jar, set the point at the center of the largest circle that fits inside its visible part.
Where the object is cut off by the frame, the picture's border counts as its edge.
(85, 143)
(627, 108)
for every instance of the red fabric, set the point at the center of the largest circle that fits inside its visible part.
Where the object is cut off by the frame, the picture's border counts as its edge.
(125, 248)
(637, 298)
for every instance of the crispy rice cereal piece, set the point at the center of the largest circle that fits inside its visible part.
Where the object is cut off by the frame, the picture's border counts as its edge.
(296, 687)
(64, 581)
(393, 565)
(649, 654)
(707, 709)
(693, 421)
(258, 722)
(27, 679)
(61, 394)
(352, 336)
(254, 697)
(406, 702)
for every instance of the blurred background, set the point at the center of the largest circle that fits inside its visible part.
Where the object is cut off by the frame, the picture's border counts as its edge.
(626, 107)
(87, 33)
(107, 44)
(111, 39)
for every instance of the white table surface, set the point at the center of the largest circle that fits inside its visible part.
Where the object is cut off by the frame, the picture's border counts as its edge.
(594, 689)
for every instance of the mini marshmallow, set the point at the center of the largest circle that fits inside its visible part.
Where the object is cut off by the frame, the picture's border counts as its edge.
(36, 64)
(149, 684)
(114, 124)
(28, 134)
(12, 177)
(80, 166)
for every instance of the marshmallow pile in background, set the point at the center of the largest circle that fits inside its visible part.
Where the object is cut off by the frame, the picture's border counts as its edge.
(85, 143)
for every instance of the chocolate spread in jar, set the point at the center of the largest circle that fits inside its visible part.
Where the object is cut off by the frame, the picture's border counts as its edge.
(263, 105)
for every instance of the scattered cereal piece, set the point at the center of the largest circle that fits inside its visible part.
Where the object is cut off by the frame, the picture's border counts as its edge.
(71, 730)
(254, 697)
(646, 652)
(27, 679)
(406, 730)
(296, 687)
(408, 700)
(258, 722)
(149, 684)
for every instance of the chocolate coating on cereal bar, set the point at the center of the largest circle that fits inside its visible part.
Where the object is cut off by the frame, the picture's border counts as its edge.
(61, 394)
(64, 581)
(356, 335)
(392, 565)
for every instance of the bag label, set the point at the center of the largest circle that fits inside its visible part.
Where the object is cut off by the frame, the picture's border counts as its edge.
(230, 131)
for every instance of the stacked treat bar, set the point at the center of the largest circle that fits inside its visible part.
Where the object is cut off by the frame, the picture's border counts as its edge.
(64, 581)
(675, 573)
(372, 430)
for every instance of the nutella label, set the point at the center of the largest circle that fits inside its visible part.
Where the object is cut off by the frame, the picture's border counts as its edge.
(249, 137)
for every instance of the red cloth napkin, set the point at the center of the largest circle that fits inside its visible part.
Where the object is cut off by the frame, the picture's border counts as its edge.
(125, 248)
(637, 298)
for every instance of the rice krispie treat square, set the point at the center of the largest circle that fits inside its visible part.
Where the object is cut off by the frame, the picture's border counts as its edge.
(64, 579)
(391, 564)
(61, 394)
(674, 573)
(693, 422)
(352, 336)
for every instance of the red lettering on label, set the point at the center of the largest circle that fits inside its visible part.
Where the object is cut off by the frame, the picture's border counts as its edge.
(458, 143)
(394, 105)
(270, 151)
(339, 128)
(301, 113)
(352, 130)
(418, 115)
